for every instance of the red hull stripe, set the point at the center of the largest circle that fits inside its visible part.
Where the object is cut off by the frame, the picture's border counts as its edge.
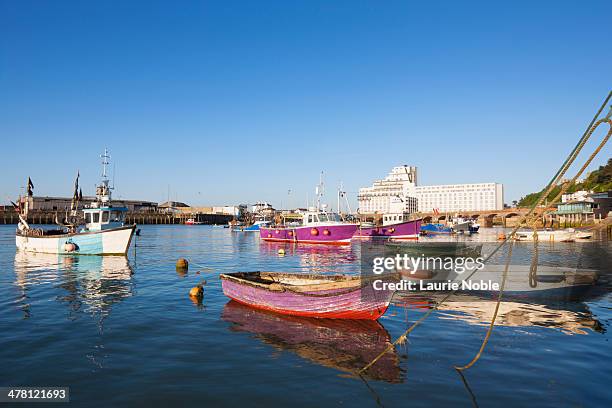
(373, 314)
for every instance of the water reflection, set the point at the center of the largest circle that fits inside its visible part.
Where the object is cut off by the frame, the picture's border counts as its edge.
(92, 284)
(344, 345)
(552, 297)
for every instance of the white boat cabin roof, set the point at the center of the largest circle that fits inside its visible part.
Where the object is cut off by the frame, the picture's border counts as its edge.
(105, 217)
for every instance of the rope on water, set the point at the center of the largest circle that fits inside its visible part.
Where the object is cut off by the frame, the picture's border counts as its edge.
(499, 298)
(528, 216)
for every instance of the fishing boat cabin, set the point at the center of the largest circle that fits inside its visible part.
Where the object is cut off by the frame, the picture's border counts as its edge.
(101, 215)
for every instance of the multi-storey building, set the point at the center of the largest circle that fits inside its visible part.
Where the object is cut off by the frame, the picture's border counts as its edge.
(401, 183)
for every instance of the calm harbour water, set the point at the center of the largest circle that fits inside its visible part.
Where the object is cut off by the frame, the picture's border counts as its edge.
(123, 331)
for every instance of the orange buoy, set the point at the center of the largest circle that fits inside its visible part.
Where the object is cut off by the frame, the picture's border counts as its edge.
(314, 231)
(290, 233)
(326, 232)
(281, 252)
(269, 235)
(182, 263)
(196, 292)
(70, 247)
(277, 231)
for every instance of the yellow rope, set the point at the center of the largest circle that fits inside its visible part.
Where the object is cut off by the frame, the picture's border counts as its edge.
(499, 298)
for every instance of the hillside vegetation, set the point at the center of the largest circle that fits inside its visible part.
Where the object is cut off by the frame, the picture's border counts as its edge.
(598, 180)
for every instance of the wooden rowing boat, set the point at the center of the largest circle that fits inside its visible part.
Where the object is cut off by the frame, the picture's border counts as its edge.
(319, 296)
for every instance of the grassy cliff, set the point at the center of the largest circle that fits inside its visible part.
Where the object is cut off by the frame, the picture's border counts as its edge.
(597, 180)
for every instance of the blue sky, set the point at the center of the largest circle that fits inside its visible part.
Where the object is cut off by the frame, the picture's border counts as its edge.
(229, 102)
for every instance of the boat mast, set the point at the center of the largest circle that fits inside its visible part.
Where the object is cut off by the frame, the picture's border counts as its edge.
(339, 195)
(103, 191)
(319, 191)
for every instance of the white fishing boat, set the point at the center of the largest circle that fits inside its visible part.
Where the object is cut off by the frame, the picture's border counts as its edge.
(546, 235)
(99, 229)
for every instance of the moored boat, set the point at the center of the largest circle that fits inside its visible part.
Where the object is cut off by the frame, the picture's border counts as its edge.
(317, 227)
(192, 221)
(546, 235)
(255, 226)
(100, 230)
(435, 229)
(319, 296)
(407, 230)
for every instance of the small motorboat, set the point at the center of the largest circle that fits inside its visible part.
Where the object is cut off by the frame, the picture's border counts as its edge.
(319, 296)
(461, 224)
(583, 235)
(192, 221)
(435, 229)
(546, 235)
(254, 227)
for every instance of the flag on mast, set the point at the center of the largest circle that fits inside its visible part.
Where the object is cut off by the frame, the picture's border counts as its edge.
(30, 187)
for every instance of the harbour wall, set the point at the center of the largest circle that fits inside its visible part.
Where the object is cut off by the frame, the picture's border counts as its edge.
(132, 217)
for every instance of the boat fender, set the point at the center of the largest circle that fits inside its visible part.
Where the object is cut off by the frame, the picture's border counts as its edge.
(182, 264)
(277, 231)
(314, 231)
(70, 247)
(281, 252)
(269, 235)
(501, 236)
(326, 232)
(290, 233)
(391, 230)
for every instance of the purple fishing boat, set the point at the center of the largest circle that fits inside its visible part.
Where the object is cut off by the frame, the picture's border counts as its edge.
(343, 345)
(407, 230)
(320, 296)
(317, 227)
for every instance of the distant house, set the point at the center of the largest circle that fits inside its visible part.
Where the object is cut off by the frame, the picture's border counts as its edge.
(603, 202)
(172, 206)
(593, 206)
(581, 195)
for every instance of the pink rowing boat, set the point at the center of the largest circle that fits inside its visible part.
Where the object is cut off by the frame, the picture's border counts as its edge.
(320, 296)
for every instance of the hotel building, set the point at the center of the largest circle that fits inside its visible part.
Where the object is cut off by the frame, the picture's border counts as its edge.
(402, 183)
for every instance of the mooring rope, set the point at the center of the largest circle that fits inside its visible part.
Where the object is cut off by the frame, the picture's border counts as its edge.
(528, 216)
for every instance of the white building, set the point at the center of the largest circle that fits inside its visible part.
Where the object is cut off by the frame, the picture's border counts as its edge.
(461, 197)
(402, 183)
(581, 195)
(380, 198)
